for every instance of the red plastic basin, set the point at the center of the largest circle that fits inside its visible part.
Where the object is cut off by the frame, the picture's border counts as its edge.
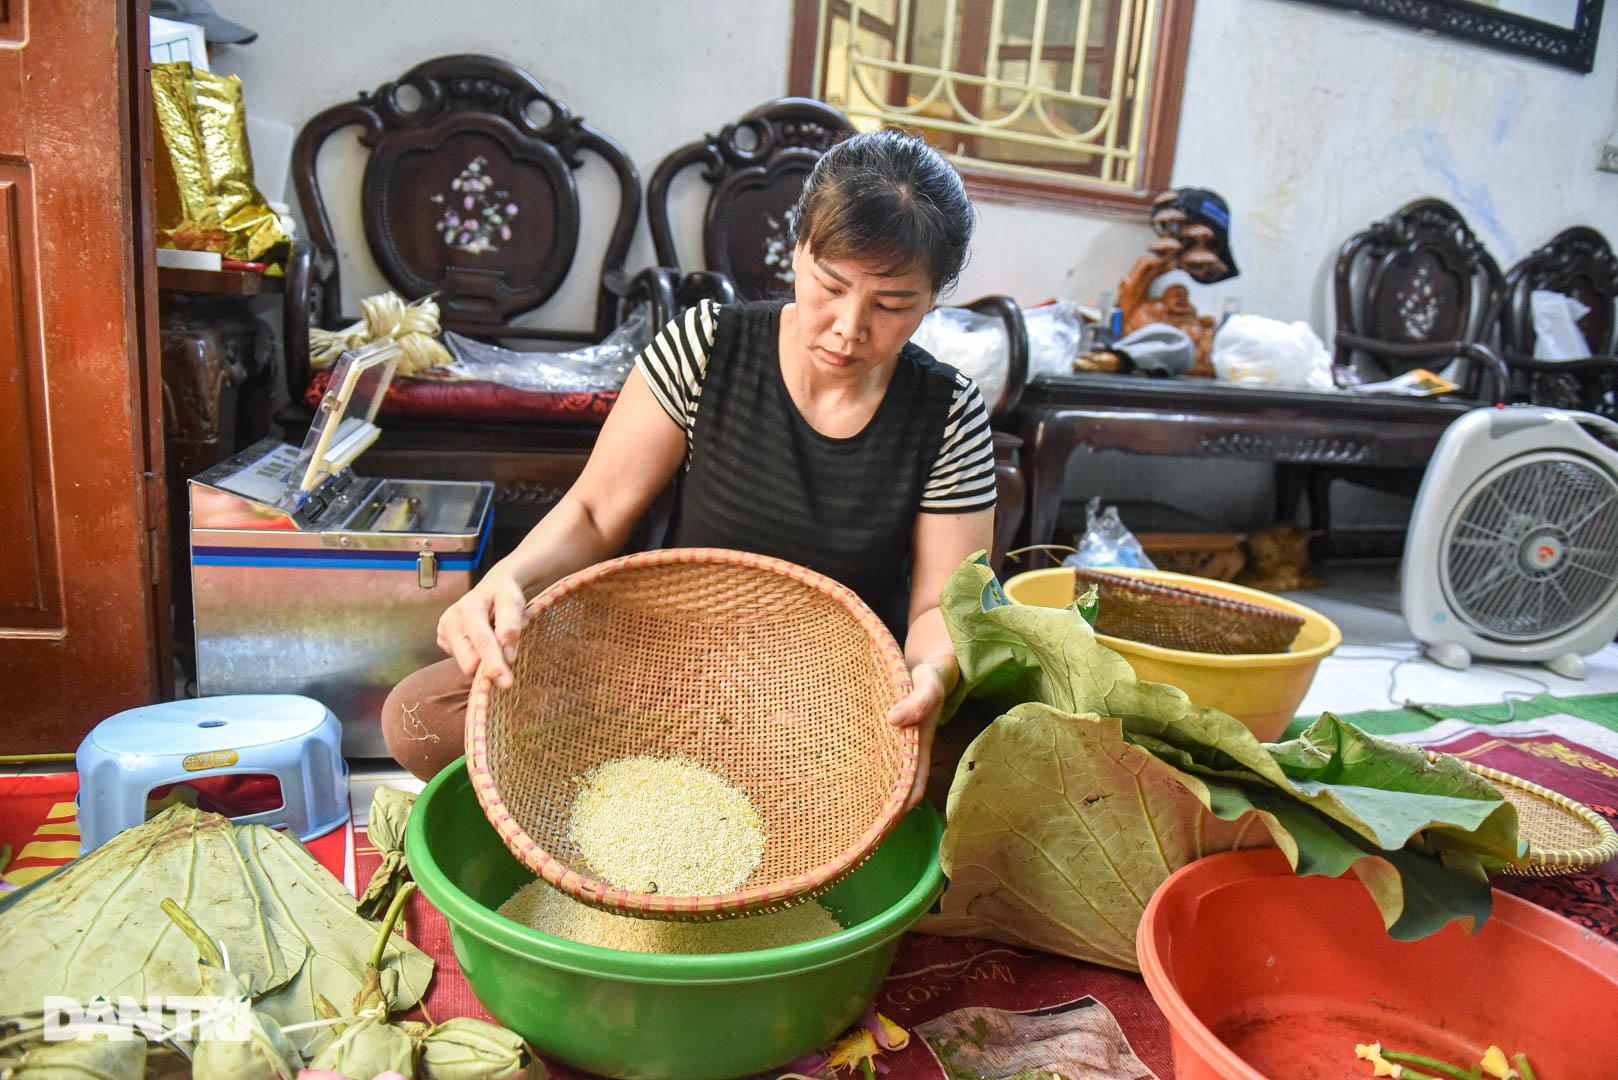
(1266, 974)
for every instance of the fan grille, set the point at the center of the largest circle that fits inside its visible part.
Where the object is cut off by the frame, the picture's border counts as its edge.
(1533, 549)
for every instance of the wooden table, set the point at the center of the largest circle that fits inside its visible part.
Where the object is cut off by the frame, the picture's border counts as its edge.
(1304, 433)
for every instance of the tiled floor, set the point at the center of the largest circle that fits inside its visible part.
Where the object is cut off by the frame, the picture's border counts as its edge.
(1377, 667)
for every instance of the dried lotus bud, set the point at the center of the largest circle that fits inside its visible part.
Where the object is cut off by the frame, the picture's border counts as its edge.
(368, 1047)
(476, 1050)
(242, 1046)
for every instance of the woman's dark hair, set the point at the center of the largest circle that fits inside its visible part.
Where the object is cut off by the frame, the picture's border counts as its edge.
(887, 199)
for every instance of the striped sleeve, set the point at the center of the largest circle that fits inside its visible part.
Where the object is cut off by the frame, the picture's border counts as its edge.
(676, 362)
(962, 478)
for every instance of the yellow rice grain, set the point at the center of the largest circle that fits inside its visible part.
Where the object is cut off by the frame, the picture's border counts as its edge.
(664, 825)
(551, 911)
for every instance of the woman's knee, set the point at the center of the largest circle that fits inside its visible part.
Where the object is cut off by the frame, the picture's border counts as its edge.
(424, 718)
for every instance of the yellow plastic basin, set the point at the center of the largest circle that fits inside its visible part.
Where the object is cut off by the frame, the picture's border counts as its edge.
(1262, 690)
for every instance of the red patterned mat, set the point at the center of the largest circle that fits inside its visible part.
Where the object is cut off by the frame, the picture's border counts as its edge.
(1000, 1011)
(979, 1003)
(990, 1009)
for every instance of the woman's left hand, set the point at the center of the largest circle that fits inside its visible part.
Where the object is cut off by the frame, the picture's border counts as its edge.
(920, 709)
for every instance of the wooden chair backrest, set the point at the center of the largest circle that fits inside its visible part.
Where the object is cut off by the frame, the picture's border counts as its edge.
(1577, 262)
(472, 192)
(1411, 286)
(754, 169)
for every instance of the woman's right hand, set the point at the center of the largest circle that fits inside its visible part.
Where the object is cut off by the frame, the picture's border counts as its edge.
(483, 625)
(636, 455)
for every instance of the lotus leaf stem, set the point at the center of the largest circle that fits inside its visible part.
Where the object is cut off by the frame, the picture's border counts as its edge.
(206, 948)
(1401, 1057)
(389, 920)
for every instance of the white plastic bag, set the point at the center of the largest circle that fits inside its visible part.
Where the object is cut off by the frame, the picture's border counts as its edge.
(1268, 352)
(1053, 337)
(968, 342)
(1556, 326)
(591, 368)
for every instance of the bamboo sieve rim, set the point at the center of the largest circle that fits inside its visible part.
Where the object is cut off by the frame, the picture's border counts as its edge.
(1550, 862)
(769, 896)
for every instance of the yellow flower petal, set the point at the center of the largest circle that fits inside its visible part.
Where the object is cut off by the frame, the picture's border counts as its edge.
(898, 1037)
(1495, 1064)
(1367, 1051)
(1386, 1068)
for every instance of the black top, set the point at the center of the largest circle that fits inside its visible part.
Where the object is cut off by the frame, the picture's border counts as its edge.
(759, 478)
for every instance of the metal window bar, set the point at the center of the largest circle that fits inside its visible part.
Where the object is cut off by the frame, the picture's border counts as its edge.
(1136, 78)
(1081, 42)
(1114, 141)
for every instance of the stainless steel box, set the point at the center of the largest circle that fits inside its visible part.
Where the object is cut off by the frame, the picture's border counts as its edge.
(308, 579)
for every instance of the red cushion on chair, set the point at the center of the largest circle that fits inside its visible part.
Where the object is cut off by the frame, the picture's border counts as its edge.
(476, 400)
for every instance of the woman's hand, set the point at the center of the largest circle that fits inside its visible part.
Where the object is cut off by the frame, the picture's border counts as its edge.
(483, 625)
(940, 543)
(920, 709)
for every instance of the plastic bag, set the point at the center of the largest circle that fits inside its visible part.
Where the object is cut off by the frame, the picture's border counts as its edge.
(594, 368)
(1268, 352)
(1556, 326)
(1157, 349)
(1054, 331)
(1107, 541)
(969, 342)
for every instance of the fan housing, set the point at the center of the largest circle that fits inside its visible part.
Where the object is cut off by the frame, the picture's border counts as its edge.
(1513, 545)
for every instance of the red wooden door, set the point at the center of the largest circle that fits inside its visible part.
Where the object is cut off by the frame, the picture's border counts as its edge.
(84, 620)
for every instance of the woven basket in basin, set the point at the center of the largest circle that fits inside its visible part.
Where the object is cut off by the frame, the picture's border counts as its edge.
(772, 675)
(1178, 617)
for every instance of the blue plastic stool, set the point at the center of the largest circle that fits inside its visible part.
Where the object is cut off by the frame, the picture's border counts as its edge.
(295, 739)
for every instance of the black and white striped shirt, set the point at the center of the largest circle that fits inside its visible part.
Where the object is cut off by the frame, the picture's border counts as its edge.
(759, 478)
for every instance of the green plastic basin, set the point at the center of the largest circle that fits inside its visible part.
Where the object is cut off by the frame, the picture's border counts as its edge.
(642, 1015)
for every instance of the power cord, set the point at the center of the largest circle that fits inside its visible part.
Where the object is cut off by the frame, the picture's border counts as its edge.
(1509, 699)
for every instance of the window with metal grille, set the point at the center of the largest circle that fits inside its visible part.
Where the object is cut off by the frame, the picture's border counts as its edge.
(1075, 101)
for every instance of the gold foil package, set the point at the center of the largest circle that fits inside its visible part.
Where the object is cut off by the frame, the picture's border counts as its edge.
(206, 200)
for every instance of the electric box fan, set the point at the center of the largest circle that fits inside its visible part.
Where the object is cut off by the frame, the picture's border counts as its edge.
(1513, 545)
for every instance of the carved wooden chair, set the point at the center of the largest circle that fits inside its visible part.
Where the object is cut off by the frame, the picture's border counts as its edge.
(1414, 290)
(1418, 290)
(754, 170)
(476, 187)
(1577, 262)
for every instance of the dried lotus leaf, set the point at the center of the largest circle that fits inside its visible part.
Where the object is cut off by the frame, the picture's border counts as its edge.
(83, 1059)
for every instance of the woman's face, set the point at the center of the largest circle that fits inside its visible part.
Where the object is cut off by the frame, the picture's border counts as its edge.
(850, 318)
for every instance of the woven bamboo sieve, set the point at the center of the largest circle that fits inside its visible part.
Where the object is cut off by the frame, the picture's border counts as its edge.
(772, 675)
(1563, 835)
(1177, 617)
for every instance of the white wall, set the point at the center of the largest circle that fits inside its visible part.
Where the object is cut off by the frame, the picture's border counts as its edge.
(1314, 122)
(1310, 121)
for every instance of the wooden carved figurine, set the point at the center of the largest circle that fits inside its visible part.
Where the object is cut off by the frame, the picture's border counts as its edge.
(1192, 235)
